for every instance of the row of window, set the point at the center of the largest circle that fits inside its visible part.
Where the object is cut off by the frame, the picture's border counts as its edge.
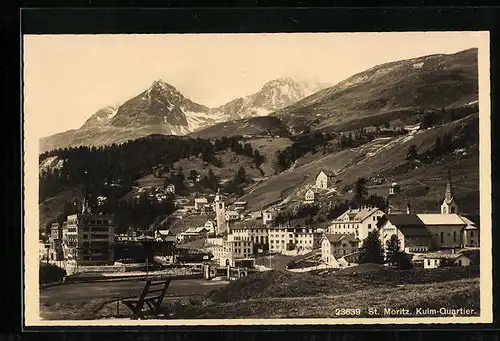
(243, 243)
(417, 249)
(348, 226)
(96, 236)
(250, 230)
(245, 251)
(293, 230)
(96, 229)
(98, 222)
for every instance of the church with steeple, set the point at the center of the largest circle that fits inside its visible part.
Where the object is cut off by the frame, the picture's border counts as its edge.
(449, 205)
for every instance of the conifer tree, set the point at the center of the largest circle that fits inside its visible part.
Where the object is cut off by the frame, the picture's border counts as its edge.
(393, 248)
(371, 251)
(412, 153)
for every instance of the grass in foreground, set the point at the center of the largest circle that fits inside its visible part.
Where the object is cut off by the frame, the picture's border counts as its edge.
(281, 294)
(359, 278)
(455, 294)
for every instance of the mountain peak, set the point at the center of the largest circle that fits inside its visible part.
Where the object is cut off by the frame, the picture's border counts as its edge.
(279, 81)
(160, 84)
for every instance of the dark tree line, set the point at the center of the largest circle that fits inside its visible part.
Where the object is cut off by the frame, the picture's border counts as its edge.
(430, 119)
(444, 145)
(140, 213)
(302, 145)
(237, 183)
(313, 142)
(122, 164)
(359, 137)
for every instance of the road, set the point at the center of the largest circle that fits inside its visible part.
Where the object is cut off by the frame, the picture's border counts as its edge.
(108, 290)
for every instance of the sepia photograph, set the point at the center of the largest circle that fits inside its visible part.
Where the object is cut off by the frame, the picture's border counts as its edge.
(286, 178)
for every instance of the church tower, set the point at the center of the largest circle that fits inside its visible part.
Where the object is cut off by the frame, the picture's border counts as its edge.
(220, 213)
(449, 204)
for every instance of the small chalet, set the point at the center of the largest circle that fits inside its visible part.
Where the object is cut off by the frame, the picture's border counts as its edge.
(325, 179)
(207, 209)
(310, 196)
(232, 215)
(267, 217)
(200, 203)
(395, 188)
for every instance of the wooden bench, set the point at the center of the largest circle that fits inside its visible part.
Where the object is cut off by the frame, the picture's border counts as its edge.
(152, 296)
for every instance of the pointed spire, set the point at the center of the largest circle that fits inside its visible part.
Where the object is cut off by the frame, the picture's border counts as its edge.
(448, 195)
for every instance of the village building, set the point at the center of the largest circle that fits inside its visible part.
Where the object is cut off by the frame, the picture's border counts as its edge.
(447, 230)
(325, 179)
(434, 260)
(207, 209)
(283, 238)
(214, 241)
(192, 233)
(55, 241)
(310, 196)
(257, 215)
(470, 233)
(412, 233)
(170, 188)
(232, 251)
(358, 222)
(89, 238)
(232, 216)
(412, 128)
(240, 206)
(267, 217)
(160, 234)
(253, 231)
(200, 203)
(336, 246)
(394, 188)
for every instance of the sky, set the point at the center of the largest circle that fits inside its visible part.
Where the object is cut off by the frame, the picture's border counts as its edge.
(67, 78)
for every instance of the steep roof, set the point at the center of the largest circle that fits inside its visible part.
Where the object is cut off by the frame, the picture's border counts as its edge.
(248, 224)
(441, 219)
(357, 214)
(405, 220)
(328, 173)
(468, 222)
(411, 231)
(334, 238)
(170, 238)
(201, 200)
